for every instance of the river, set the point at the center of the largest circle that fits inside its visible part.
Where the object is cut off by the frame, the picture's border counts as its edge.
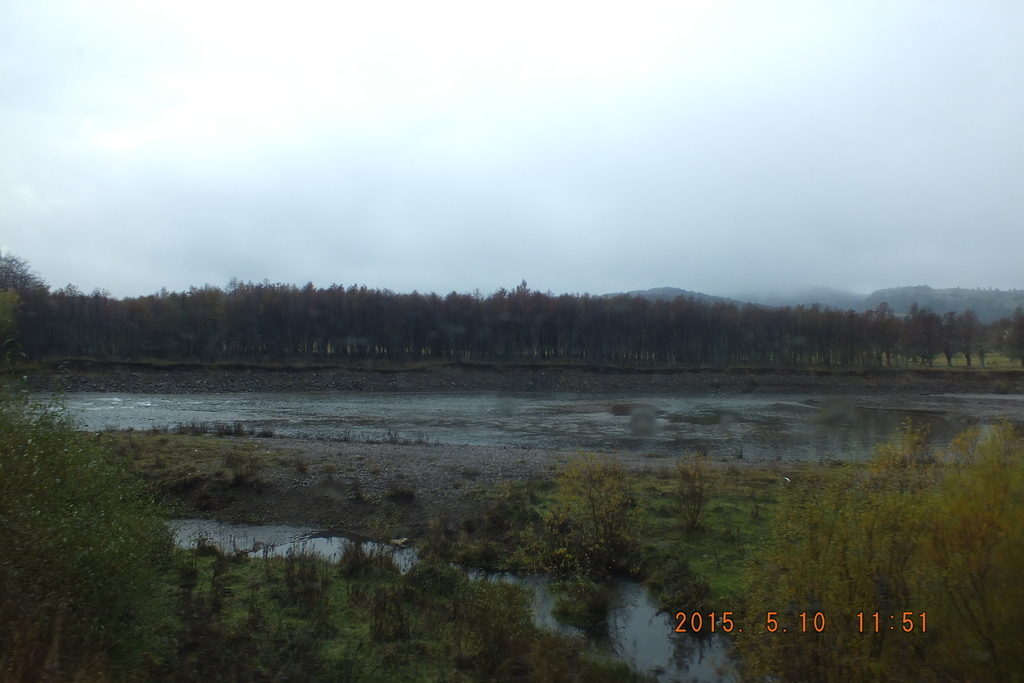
(757, 426)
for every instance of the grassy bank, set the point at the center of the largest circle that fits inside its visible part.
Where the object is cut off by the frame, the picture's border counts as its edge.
(194, 470)
(688, 527)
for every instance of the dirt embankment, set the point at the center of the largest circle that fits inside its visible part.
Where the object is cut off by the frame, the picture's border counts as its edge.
(188, 379)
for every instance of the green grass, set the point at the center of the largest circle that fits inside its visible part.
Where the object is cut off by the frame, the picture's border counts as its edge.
(706, 565)
(733, 528)
(993, 361)
(915, 529)
(361, 620)
(178, 463)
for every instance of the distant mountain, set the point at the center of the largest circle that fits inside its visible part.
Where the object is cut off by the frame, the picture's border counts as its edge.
(989, 304)
(670, 293)
(824, 296)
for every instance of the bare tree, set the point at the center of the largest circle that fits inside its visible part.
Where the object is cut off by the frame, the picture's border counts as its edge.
(923, 329)
(15, 274)
(949, 334)
(970, 328)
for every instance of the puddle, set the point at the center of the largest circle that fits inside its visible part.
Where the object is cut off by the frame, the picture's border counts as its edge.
(276, 540)
(635, 632)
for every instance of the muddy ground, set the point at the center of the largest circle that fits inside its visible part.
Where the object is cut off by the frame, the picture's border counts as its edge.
(371, 490)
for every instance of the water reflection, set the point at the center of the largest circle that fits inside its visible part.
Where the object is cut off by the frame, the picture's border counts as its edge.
(277, 540)
(636, 633)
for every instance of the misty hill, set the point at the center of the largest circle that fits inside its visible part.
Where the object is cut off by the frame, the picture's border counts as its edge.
(670, 293)
(824, 296)
(989, 304)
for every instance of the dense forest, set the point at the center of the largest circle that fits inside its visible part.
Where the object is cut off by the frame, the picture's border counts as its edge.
(264, 322)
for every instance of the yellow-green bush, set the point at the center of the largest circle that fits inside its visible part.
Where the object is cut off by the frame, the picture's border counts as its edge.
(80, 553)
(590, 531)
(919, 531)
(972, 559)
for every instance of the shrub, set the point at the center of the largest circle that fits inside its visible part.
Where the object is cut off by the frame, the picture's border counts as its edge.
(401, 493)
(82, 549)
(583, 604)
(693, 488)
(922, 531)
(590, 528)
(676, 583)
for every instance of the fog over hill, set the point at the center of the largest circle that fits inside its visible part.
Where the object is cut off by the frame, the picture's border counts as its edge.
(989, 304)
(670, 293)
(825, 296)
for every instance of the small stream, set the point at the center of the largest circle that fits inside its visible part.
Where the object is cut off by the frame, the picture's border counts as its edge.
(636, 633)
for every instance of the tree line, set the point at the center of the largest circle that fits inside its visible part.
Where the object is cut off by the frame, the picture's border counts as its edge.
(263, 322)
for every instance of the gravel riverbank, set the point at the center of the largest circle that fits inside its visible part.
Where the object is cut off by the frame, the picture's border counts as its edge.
(456, 378)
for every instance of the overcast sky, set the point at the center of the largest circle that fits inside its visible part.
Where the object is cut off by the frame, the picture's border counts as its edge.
(725, 147)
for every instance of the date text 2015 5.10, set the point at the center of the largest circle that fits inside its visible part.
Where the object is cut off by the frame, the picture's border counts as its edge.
(804, 622)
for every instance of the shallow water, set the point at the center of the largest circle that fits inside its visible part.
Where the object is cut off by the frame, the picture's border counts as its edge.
(636, 633)
(276, 540)
(801, 427)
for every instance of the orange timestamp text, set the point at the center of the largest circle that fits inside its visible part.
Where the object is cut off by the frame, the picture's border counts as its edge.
(804, 622)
